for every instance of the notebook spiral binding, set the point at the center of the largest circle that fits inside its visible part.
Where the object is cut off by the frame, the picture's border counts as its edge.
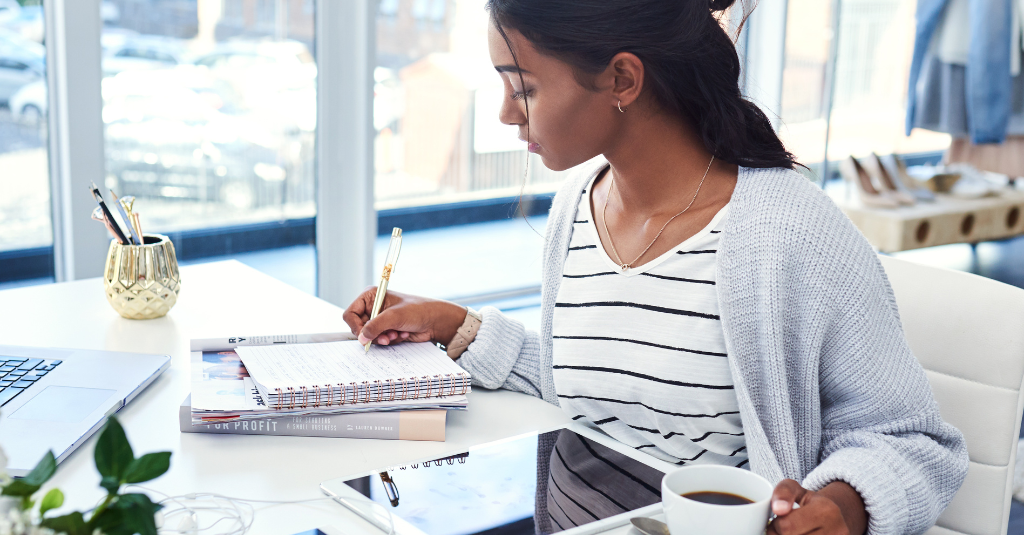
(371, 392)
(450, 460)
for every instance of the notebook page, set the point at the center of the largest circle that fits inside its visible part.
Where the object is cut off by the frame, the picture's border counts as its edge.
(306, 365)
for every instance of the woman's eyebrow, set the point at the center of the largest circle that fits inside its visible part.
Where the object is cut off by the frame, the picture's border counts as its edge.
(510, 68)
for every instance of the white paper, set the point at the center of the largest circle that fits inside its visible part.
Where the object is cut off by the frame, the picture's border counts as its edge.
(331, 363)
(222, 389)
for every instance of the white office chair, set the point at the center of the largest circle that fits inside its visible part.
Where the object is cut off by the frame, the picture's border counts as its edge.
(968, 333)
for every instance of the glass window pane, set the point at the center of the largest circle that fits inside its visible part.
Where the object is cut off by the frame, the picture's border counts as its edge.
(24, 167)
(804, 100)
(209, 109)
(876, 39)
(438, 138)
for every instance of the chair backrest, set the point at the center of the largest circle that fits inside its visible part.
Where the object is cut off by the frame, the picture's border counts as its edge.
(968, 334)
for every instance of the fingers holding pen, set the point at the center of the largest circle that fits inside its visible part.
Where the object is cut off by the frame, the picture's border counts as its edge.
(403, 318)
(358, 313)
(384, 328)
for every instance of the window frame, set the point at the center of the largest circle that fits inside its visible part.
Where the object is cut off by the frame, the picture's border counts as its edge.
(346, 222)
(346, 225)
(76, 146)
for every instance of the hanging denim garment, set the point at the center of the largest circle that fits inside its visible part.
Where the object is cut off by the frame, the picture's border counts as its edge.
(988, 87)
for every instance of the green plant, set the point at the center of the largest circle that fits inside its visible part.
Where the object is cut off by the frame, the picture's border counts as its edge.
(118, 514)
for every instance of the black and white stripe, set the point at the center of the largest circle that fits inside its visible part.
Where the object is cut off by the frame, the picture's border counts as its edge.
(585, 484)
(642, 353)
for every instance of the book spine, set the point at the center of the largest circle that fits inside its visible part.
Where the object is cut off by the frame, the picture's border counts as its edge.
(393, 425)
(231, 342)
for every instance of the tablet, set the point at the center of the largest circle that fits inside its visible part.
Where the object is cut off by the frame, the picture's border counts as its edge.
(536, 484)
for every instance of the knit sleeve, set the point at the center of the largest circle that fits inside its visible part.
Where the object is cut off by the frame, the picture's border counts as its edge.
(882, 432)
(504, 354)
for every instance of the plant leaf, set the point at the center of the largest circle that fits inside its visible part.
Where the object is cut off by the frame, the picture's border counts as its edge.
(19, 487)
(113, 452)
(149, 466)
(52, 500)
(138, 501)
(109, 521)
(110, 483)
(43, 471)
(130, 514)
(72, 524)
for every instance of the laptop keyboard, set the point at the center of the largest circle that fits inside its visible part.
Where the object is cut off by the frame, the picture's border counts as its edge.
(18, 374)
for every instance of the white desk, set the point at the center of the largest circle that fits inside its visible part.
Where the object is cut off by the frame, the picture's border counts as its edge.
(222, 299)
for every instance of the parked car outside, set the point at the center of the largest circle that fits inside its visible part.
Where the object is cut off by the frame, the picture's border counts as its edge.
(175, 134)
(261, 69)
(16, 71)
(9, 10)
(29, 104)
(29, 23)
(143, 52)
(11, 41)
(21, 62)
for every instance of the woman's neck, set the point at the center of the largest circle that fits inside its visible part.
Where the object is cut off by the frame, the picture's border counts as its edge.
(659, 162)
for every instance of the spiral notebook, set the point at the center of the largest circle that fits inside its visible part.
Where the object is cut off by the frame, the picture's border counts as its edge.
(332, 374)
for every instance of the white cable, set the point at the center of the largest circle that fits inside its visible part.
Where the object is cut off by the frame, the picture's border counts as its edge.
(230, 509)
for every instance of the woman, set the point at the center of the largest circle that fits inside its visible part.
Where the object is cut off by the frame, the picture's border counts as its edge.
(701, 300)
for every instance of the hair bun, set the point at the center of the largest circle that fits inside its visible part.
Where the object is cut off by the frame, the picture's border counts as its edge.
(720, 5)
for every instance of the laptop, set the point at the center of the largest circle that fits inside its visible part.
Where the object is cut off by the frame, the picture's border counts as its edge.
(55, 399)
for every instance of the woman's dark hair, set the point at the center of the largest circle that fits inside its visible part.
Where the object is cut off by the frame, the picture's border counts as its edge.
(690, 63)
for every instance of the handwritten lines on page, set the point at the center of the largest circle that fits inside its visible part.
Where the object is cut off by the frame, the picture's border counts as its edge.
(305, 365)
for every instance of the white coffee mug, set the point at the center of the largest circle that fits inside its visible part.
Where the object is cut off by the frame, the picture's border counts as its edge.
(689, 517)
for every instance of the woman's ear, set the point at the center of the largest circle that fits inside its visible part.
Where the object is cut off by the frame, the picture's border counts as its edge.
(624, 78)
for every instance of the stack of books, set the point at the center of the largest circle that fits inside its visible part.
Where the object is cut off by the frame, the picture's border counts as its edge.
(321, 385)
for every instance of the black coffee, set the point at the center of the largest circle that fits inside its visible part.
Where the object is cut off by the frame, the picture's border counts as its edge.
(717, 498)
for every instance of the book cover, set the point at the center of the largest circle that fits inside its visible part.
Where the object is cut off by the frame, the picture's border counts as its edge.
(391, 425)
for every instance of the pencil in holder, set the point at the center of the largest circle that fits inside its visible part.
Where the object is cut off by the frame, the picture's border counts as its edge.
(142, 281)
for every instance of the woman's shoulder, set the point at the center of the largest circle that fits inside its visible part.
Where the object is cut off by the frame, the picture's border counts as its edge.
(773, 209)
(783, 197)
(777, 185)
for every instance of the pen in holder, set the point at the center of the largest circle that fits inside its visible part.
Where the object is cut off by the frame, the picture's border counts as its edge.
(142, 281)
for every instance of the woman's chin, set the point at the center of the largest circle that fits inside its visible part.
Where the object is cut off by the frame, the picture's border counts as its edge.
(553, 164)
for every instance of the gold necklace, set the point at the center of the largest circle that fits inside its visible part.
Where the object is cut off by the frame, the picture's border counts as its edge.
(604, 220)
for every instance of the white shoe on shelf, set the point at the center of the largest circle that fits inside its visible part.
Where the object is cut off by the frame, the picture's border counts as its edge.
(858, 180)
(898, 171)
(975, 184)
(886, 182)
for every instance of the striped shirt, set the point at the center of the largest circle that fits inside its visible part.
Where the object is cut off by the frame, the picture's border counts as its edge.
(641, 354)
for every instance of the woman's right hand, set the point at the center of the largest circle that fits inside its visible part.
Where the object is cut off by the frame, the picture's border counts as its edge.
(404, 317)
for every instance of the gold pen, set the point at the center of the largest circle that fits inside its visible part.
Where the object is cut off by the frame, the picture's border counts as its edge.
(394, 248)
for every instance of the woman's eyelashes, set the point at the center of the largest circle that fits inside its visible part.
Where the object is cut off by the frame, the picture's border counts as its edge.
(520, 95)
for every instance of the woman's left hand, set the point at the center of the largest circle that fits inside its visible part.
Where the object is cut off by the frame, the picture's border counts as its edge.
(836, 509)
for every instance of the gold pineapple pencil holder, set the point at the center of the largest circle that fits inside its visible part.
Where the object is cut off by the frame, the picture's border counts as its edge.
(142, 281)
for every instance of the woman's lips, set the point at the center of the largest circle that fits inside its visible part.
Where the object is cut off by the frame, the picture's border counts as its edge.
(533, 147)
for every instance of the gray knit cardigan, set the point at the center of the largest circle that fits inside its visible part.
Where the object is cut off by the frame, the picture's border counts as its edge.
(828, 388)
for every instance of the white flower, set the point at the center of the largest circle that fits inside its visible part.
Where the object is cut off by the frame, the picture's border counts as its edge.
(17, 522)
(4, 478)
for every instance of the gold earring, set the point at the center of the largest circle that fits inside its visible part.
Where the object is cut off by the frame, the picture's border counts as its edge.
(619, 106)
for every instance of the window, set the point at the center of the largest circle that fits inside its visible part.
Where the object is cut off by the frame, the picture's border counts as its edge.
(25, 224)
(875, 43)
(438, 139)
(210, 114)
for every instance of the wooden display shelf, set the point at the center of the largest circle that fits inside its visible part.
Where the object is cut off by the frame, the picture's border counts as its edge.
(947, 220)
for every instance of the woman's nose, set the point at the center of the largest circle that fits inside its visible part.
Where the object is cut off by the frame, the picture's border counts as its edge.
(512, 112)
